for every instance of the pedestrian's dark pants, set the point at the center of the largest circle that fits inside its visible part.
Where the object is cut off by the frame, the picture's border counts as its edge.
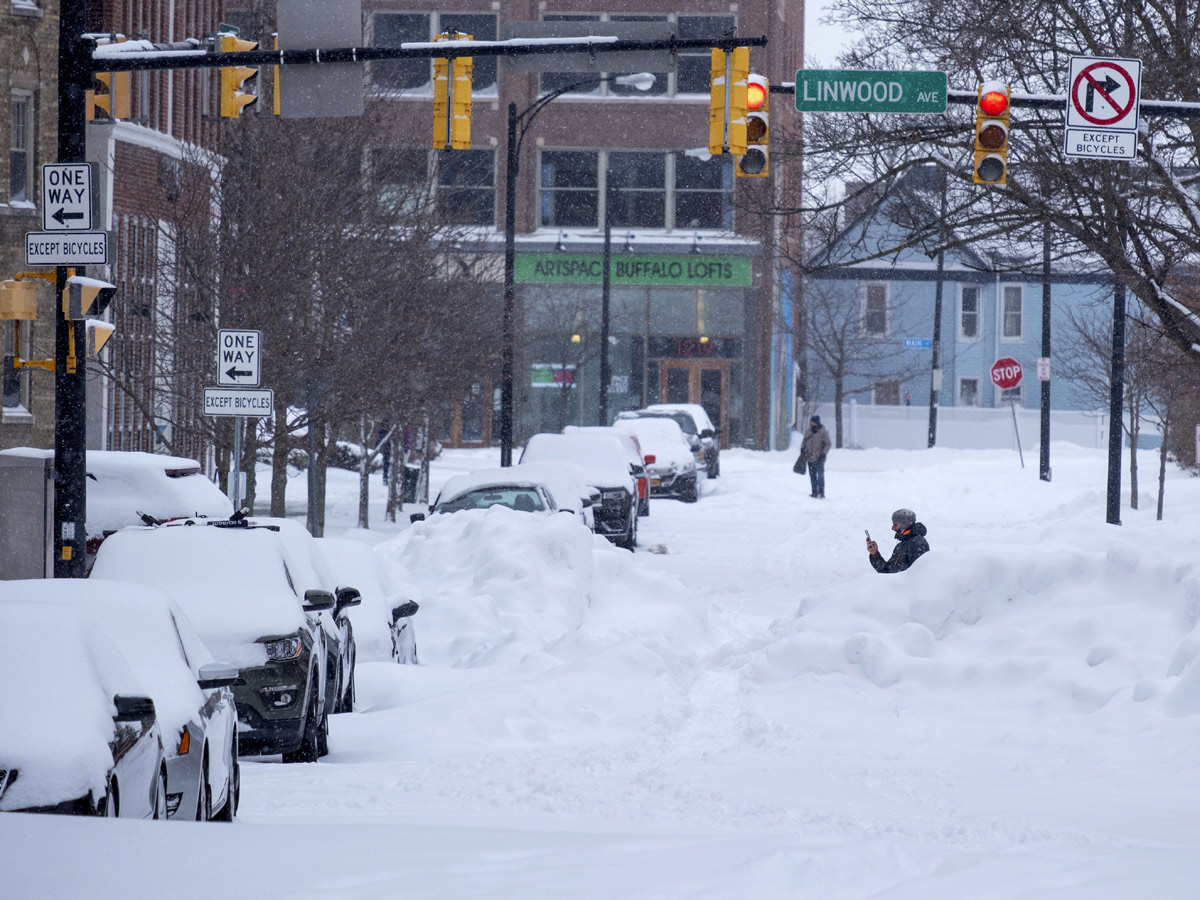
(816, 475)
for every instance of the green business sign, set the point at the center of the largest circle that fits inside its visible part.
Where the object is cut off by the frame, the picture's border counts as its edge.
(627, 268)
(851, 90)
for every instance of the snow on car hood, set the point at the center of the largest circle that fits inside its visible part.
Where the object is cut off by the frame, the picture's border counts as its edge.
(600, 457)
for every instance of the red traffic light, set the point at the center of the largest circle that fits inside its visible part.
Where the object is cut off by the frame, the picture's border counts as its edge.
(756, 94)
(994, 102)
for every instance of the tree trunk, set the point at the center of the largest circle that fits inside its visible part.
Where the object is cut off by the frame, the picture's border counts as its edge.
(1162, 468)
(839, 394)
(279, 462)
(1134, 422)
(364, 475)
(395, 499)
(249, 461)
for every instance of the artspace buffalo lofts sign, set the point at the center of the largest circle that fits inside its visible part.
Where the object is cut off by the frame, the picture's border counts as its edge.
(588, 268)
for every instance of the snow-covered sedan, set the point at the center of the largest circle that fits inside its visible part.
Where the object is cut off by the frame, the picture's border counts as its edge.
(669, 460)
(78, 731)
(192, 692)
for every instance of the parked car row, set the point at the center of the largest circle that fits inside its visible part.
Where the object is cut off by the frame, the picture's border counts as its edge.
(115, 702)
(606, 475)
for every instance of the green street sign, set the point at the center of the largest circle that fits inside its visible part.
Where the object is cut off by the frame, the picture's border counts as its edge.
(865, 91)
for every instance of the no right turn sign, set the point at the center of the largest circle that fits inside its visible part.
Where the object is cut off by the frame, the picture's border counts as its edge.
(1102, 108)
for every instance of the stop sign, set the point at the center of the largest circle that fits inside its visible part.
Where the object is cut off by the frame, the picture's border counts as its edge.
(1006, 373)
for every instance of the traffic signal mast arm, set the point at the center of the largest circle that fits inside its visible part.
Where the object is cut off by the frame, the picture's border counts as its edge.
(133, 56)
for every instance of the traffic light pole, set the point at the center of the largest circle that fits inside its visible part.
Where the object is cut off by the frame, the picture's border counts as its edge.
(605, 297)
(70, 370)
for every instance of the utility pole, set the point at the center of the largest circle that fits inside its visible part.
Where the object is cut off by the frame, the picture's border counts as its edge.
(70, 337)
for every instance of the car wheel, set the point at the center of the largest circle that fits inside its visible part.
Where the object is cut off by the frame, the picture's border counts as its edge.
(160, 795)
(204, 810)
(691, 491)
(323, 736)
(644, 506)
(308, 751)
(233, 797)
(714, 470)
(351, 693)
(110, 803)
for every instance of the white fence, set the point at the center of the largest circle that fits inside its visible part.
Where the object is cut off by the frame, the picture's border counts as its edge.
(965, 427)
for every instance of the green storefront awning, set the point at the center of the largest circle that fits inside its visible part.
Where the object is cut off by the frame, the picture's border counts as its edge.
(627, 268)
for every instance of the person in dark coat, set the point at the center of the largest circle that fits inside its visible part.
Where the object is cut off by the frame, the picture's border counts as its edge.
(910, 544)
(814, 448)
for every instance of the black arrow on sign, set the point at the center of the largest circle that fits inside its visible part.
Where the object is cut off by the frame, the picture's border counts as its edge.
(1110, 84)
(62, 215)
(235, 372)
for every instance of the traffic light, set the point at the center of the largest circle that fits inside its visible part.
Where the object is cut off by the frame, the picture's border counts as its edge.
(18, 300)
(991, 133)
(452, 81)
(234, 78)
(113, 99)
(98, 334)
(754, 163)
(727, 101)
(85, 298)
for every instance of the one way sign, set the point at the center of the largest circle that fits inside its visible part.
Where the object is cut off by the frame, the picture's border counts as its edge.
(67, 197)
(239, 360)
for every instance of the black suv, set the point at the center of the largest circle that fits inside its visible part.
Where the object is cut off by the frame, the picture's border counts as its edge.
(260, 602)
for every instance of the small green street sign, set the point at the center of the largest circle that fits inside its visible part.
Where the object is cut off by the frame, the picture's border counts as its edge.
(865, 91)
(226, 28)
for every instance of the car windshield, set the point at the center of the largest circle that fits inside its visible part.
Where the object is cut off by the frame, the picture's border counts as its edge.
(686, 424)
(518, 498)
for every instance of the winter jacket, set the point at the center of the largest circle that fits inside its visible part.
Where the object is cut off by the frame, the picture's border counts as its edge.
(816, 444)
(910, 544)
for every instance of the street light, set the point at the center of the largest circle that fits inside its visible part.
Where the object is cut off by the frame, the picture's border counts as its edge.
(518, 126)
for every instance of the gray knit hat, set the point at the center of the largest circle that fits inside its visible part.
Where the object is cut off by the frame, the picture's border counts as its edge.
(906, 518)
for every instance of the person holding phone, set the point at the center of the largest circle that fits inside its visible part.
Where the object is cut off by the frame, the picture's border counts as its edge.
(910, 544)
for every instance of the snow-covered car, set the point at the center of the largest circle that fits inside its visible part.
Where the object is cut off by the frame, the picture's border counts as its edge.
(257, 604)
(383, 623)
(123, 486)
(669, 460)
(703, 437)
(192, 692)
(603, 464)
(637, 460)
(339, 632)
(493, 487)
(79, 734)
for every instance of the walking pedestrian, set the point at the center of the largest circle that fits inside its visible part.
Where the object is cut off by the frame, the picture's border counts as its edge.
(814, 448)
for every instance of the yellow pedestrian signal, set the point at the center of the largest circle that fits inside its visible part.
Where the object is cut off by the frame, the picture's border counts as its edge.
(991, 133)
(452, 84)
(234, 78)
(113, 99)
(18, 301)
(85, 298)
(98, 334)
(755, 162)
(727, 101)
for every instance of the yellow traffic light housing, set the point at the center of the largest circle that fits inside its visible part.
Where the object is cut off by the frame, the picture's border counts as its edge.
(18, 301)
(234, 78)
(98, 334)
(755, 162)
(113, 97)
(84, 298)
(727, 101)
(452, 84)
(991, 133)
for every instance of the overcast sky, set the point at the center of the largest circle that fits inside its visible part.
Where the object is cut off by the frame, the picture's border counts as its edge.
(822, 43)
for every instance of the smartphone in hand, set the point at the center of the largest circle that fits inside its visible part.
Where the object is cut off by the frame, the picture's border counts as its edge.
(867, 533)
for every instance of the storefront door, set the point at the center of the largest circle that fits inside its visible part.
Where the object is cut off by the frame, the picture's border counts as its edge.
(698, 381)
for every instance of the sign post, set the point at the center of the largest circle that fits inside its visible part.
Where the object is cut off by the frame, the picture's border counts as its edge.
(1006, 375)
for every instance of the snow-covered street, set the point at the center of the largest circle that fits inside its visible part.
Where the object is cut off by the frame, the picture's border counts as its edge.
(742, 708)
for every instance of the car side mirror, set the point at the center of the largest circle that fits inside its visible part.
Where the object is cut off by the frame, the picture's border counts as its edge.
(404, 610)
(133, 709)
(217, 675)
(348, 596)
(317, 600)
(591, 499)
(651, 458)
(417, 517)
(708, 433)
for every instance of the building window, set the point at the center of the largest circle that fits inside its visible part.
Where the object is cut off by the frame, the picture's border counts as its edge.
(466, 186)
(593, 83)
(639, 189)
(401, 180)
(693, 67)
(570, 188)
(874, 310)
(887, 393)
(968, 313)
(20, 153)
(968, 392)
(394, 29)
(1011, 326)
(703, 192)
